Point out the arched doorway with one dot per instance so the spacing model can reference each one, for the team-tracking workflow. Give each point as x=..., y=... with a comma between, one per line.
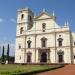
x=43, y=57
x=60, y=56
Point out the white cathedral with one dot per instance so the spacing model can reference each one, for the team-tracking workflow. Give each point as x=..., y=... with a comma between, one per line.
x=39, y=39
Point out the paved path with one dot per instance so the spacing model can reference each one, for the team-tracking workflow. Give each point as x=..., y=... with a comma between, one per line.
x=67, y=70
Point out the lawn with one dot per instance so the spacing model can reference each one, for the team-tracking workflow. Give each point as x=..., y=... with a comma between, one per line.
x=12, y=69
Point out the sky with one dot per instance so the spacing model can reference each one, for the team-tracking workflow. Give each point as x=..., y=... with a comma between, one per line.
x=64, y=11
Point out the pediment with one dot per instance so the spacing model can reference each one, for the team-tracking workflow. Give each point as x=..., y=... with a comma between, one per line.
x=43, y=16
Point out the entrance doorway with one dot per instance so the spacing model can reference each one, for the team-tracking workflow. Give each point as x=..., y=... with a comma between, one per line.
x=60, y=58
x=43, y=57
x=29, y=57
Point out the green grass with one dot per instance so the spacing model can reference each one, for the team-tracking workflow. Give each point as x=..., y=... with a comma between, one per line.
x=10, y=69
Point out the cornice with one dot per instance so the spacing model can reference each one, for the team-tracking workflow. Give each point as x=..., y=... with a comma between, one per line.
x=44, y=33
x=38, y=48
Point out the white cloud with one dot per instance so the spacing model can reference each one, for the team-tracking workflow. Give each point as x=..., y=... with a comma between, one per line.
x=12, y=20
x=1, y=20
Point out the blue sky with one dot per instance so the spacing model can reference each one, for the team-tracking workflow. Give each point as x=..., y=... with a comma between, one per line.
x=64, y=11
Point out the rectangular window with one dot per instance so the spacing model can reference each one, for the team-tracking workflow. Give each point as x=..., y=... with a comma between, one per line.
x=20, y=57
x=74, y=56
x=74, y=43
x=43, y=27
x=21, y=30
x=43, y=43
x=19, y=46
x=29, y=45
x=60, y=40
x=60, y=43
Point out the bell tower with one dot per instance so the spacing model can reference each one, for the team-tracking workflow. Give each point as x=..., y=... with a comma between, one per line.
x=24, y=23
x=24, y=19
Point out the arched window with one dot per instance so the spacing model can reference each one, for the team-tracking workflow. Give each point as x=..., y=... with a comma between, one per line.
x=29, y=43
x=43, y=42
x=22, y=16
x=60, y=42
x=43, y=27
x=21, y=30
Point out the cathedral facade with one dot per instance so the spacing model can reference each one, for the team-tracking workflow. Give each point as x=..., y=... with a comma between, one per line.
x=39, y=39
